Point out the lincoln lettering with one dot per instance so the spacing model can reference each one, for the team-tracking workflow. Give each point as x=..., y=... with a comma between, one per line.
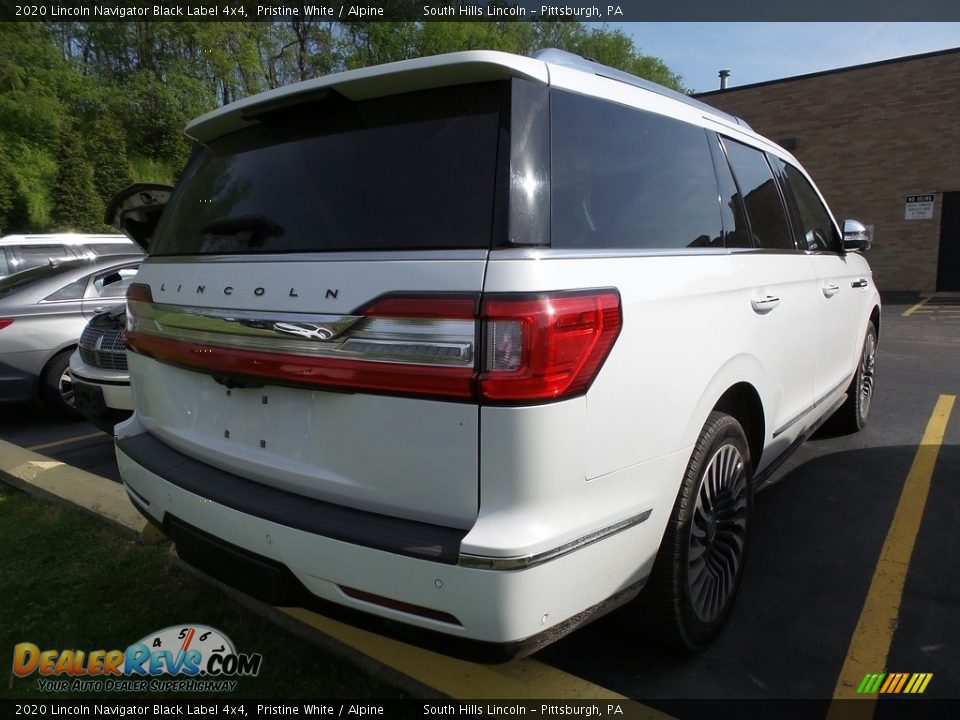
x=331, y=293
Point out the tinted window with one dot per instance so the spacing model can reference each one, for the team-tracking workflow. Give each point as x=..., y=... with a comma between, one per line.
x=818, y=229
x=73, y=291
x=113, y=248
x=21, y=280
x=761, y=197
x=414, y=171
x=736, y=231
x=5, y=268
x=624, y=178
x=31, y=256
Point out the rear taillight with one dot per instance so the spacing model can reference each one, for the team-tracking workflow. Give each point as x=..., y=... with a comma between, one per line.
x=5, y=322
x=548, y=346
x=537, y=348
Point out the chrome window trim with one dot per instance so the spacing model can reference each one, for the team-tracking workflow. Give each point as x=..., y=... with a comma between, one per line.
x=302, y=257
x=543, y=253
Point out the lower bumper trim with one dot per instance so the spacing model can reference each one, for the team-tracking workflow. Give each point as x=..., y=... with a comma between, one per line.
x=522, y=562
x=359, y=527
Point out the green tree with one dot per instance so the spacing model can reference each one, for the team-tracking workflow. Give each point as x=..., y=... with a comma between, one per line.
x=14, y=211
x=76, y=203
x=7, y=191
x=107, y=153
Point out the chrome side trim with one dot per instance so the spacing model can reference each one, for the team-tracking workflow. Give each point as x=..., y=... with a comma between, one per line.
x=302, y=257
x=522, y=562
x=763, y=478
x=806, y=411
x=545, y=253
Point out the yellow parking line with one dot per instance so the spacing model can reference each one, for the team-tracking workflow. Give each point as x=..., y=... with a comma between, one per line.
x=910, y=311
x=870, y=644
x=525, y=679
x=66, y=441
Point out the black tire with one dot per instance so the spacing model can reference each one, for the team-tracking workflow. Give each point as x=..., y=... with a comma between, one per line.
x=697, y=572
x=56, y=390
x=852, y=416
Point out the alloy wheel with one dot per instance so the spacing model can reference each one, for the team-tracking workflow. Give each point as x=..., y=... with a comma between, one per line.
x=717, y=534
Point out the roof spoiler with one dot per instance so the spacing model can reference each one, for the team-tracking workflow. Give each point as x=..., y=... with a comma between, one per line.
x=577, y=62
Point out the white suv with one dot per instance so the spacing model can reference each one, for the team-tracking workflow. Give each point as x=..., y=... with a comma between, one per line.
x=485, y=344
x=22, y=252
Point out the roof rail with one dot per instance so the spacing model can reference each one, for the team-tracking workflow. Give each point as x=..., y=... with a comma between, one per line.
x=577, y=62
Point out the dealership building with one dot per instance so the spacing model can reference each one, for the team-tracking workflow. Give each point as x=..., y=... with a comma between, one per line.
x=882, y=142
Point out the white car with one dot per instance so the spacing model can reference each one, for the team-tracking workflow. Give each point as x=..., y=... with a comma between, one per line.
x=486, y=345
x=22, y=252
x=98, y=368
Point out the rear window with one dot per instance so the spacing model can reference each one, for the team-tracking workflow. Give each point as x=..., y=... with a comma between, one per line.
x=412, y=171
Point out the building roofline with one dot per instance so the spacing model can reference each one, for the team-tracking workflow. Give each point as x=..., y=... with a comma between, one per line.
x=821, y=73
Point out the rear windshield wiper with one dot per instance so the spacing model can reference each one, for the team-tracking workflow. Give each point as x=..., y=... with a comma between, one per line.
x=260, y=226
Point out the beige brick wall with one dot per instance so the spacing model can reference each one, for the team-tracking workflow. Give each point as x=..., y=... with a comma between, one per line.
x=870, y=136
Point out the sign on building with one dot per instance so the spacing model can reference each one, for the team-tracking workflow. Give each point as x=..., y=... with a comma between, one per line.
x=918, y=207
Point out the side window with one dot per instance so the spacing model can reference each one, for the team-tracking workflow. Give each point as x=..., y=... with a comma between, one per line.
x=736, y=231
x=5, y=268
x=113, y=283
x=818, y=229
x=31, y=256
x=761, y=197
x=119, y=248
x=73, y=291
x=625, y=178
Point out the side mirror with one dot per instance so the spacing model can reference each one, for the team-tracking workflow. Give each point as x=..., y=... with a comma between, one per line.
x=855, y=236
x=136, y=210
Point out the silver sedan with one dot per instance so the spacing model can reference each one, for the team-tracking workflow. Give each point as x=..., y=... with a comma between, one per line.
x=43, y=312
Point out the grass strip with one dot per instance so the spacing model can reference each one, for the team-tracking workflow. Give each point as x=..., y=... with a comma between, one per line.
x=68, y=581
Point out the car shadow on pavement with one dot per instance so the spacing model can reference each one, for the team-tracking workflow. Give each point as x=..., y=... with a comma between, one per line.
x=817, y=535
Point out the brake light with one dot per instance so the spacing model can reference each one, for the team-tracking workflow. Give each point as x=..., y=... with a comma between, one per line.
x=139, y=297
x=537, y=348
x=139, y=292
x=5, y=322
x=546, y=347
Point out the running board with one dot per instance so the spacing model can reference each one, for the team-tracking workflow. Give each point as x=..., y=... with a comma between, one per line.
x=763, y=478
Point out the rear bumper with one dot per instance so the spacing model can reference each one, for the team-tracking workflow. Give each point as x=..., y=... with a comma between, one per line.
x=405, y=571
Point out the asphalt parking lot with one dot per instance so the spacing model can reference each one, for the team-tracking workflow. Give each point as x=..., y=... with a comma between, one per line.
x=820, y=605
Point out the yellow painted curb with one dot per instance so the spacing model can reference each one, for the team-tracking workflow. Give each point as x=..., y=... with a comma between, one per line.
x=44, y=477
x=525, y=679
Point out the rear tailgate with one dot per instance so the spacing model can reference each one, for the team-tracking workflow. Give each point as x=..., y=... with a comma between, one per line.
x=218, y=376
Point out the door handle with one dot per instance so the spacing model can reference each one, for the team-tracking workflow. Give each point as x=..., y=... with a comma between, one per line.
x=831, y=290
x=861, y=283
x=765, y=305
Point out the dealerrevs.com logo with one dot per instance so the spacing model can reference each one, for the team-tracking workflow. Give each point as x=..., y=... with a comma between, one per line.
x=180, y=658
